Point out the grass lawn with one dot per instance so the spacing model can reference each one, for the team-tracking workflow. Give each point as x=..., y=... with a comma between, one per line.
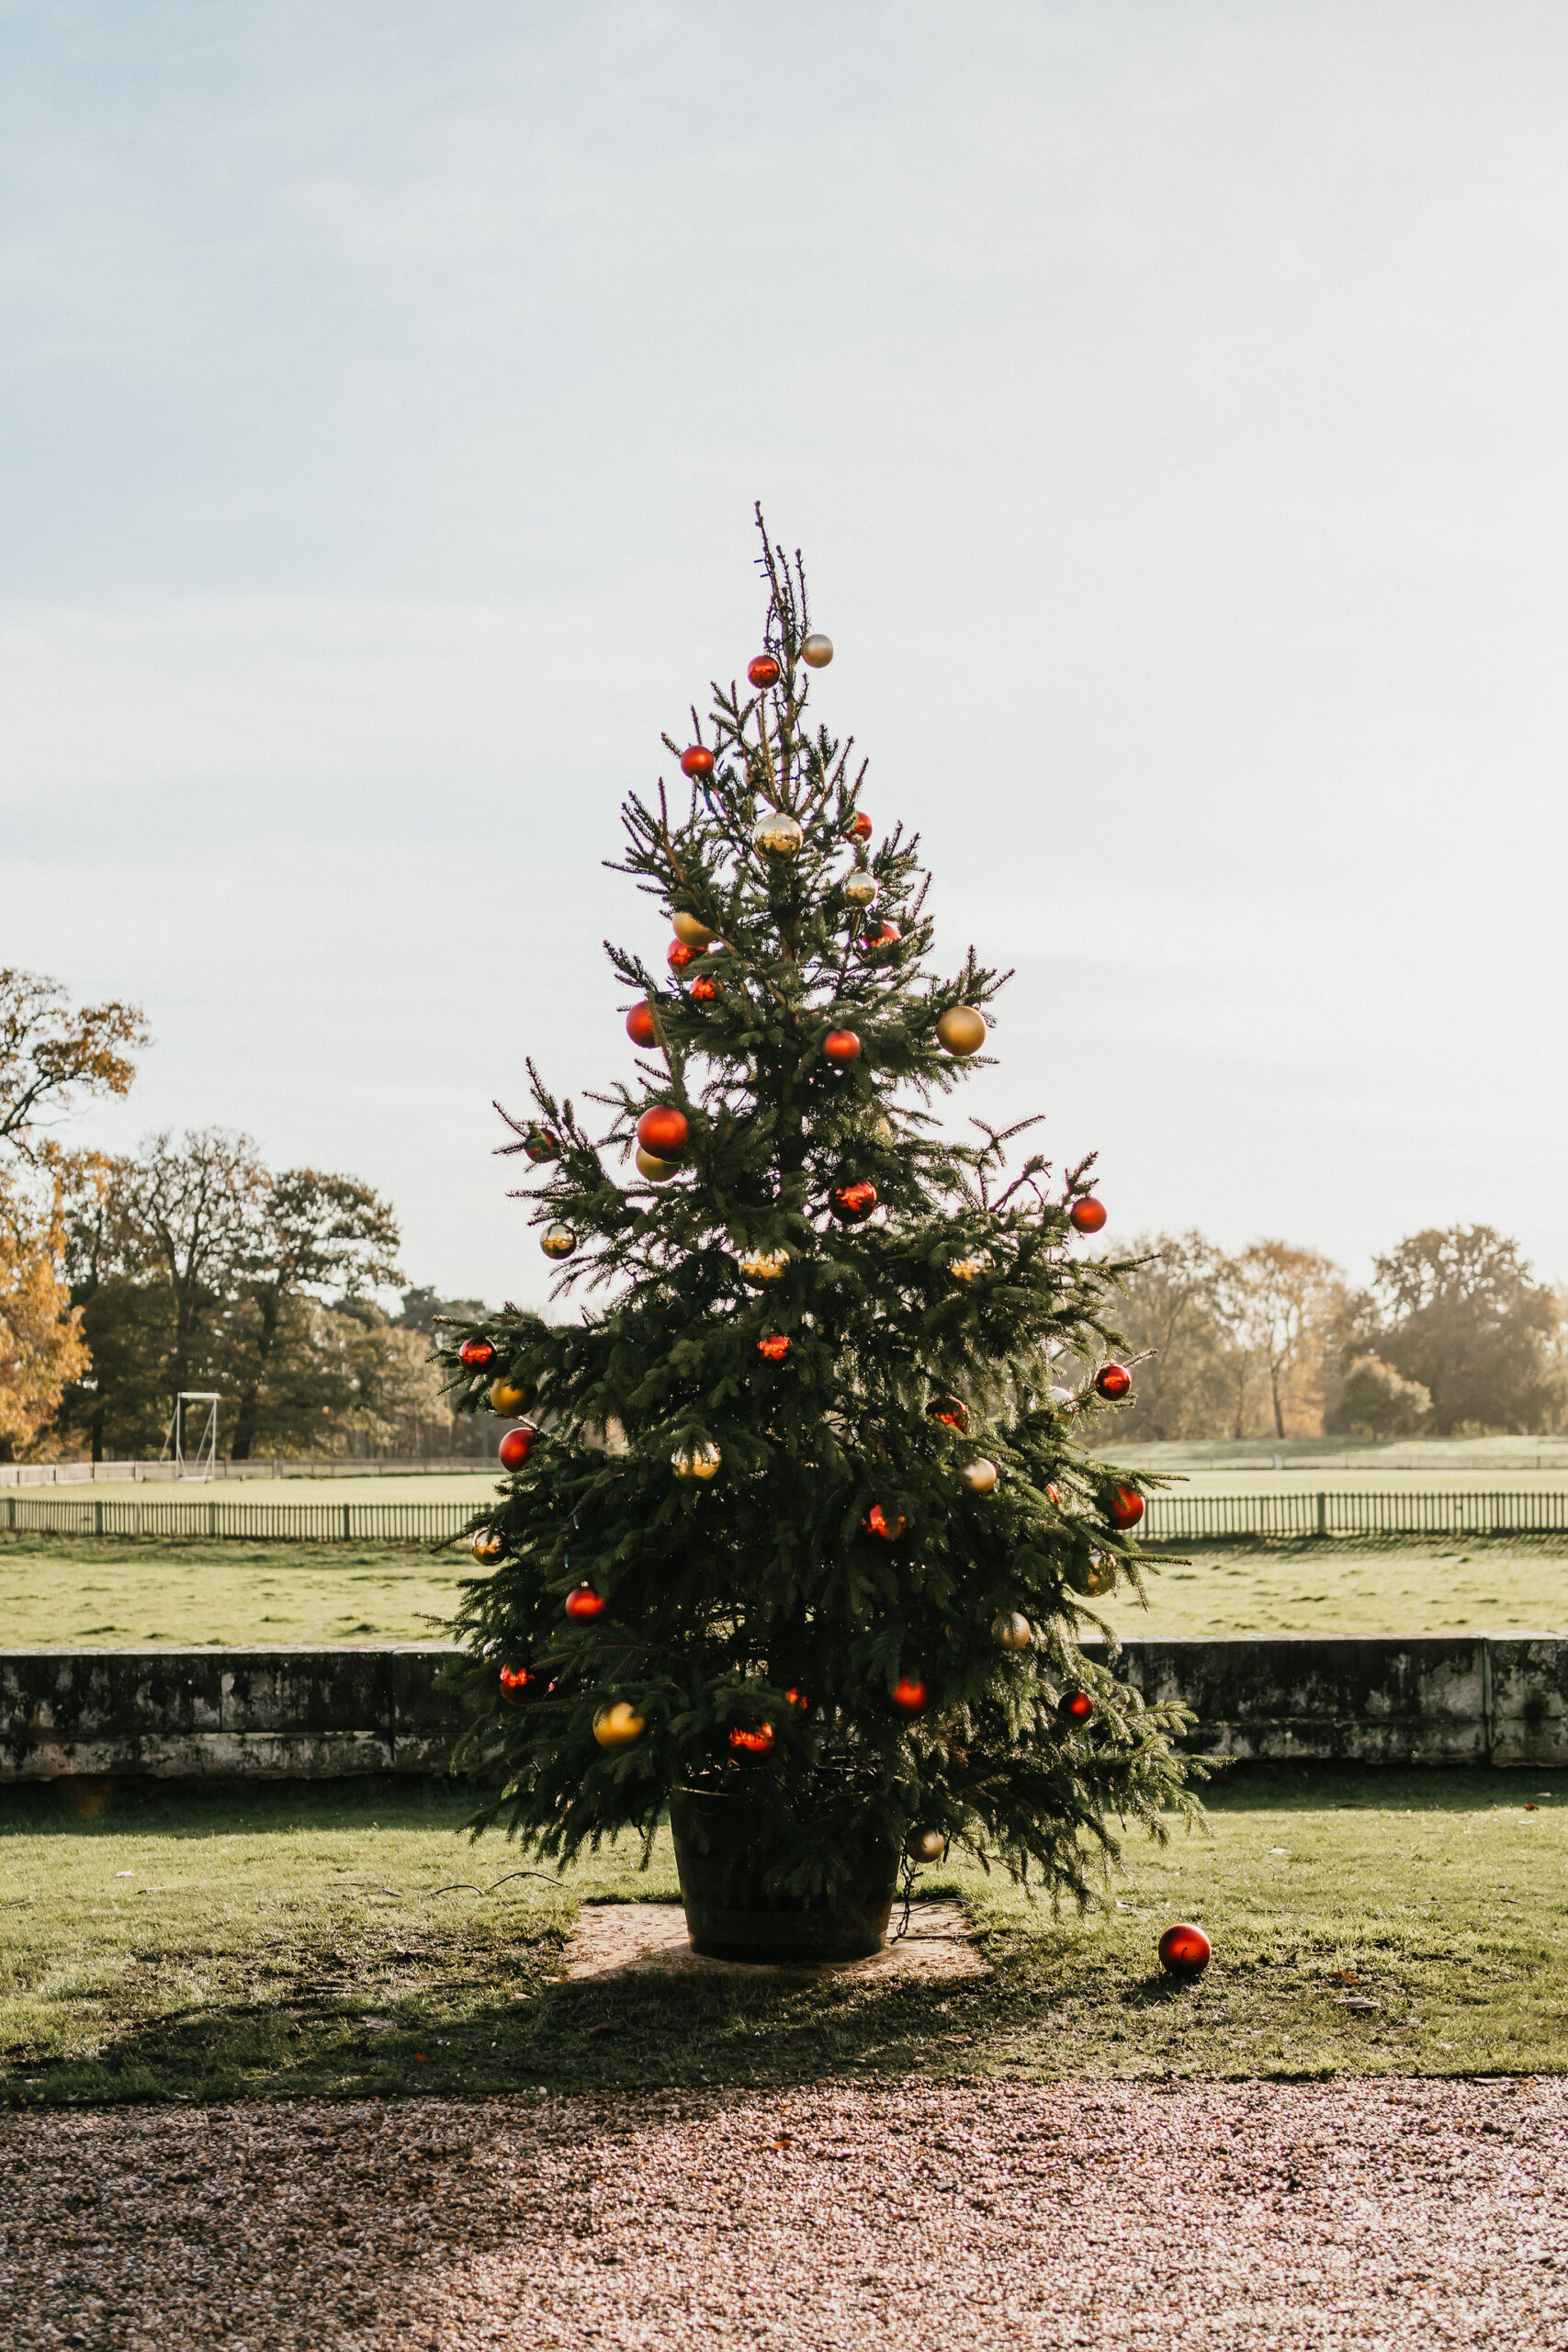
x=1477, y=1585
x=93, y=1592
x=284, y=1941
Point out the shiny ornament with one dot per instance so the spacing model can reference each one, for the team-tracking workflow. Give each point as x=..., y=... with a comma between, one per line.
x=690, y=932
x=618, y=1727
x=1054, y=1496
x=516, y=1446
x=1010, y=1630
x=951, y=1410
x=879, y=936
x=841, y=1045
x=887, y=1531
x=508, y=1396
x=697, y=761
x=704, y=990
x=1076, y=1706
x=1113, y=1380
x=762, y=670
x=862, y=890
x=640, y=1024
x=664, y=1131
x=908, y=1695
x=979, y=1477
x=926, y=1845
x=1088, y=1215
x=541, y=1143
x=519, y=1684
x=775, y=1347
x=695, y=1461
x=583, y=1604
x=1125, y=1508
x=798, y=1699
x=488, y=1545
x=763, y=1265
x=557, y=1241
x=970, y=1269
x=817, y=651
x=678, y=954
x=657, y=1171
x=476, y=1355
x=1093, y=1575
x=853, y=1203
x=859, y=827
x=961, y=1031
x=777, y=835
x=751, y=1739
x=1062, y=1400
x=1184, y=1950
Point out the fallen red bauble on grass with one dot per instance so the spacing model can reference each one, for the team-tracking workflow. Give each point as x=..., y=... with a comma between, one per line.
x=1185, y=1950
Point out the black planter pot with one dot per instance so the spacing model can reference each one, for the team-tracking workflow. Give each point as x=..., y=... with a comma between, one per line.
x=721, y=1853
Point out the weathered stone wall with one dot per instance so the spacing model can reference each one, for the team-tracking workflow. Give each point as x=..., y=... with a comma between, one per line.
x=338, y=1713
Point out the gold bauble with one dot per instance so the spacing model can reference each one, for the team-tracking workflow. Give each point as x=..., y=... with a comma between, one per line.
x=979, y=1477
x=926, y=1845
x=763, y=1265
x=862, y=890
x=695, y=1461
x=510, y=1396
x=817, y=651
x=488, y=1545
x=618, y=1726
x=557, y=1241
x=1092, y=1574
x=1010, y=1630
x=962, y=1031
x=690, y=932
x=967, y=1270
x=657, y=1171
x=777, y=835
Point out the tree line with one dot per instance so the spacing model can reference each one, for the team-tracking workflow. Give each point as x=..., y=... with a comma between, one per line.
x=1452, y=1337
x=189, y=1264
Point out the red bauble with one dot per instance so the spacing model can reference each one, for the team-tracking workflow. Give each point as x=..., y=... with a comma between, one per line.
x=678, y=954
x=1125, y=1508
x=1054, y=1496
x=879, y=935
x=860, y=827
x=516, y=1446
x=704, y=991
x=1184, y=1950
x=798, y=1699
x=477, y=1353
x=853, y=1203
x=696, y=761
x=663, y=1131
x=541, y=1143
x=1075, y=1706
x=951, y=1410
x=1088, y=1215
x=1113, y=1380
x=764, y=671
x=841, y=1045
x=775, y=1347
x=583, y=1603
x=640, y=1024
x=876, y=1523
x=751, y=1739
x=908, y=1695
x=519, y=1684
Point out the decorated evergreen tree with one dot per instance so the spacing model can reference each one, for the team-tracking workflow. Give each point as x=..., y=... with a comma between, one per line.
x=800, y=1536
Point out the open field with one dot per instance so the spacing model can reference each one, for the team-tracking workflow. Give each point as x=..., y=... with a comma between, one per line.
x=282, y=1941
x=86, y=1592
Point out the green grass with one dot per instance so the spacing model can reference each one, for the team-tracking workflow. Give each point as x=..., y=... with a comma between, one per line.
x=1474, y=1584
x=283, y=1942
x=93, y=1592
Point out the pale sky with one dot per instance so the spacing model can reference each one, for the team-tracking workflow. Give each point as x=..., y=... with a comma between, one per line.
x=1171, y=402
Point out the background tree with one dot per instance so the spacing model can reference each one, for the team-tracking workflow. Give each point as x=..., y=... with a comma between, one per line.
x=1459, y=1312
x=1173, y=1313
x=53, y=1052
x=306, y=1232
x=1278, y=1302
x=1373, y=1401
x=41, y=1347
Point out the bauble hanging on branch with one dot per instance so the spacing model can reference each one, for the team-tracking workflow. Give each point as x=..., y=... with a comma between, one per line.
x=1076, y=1706
x=860, y=827
x=618, y=1726
x=841, y=1045
x=887, y=1527
x=952, y=1412
x=516, y=1446
x=557, y=1240
x=583, y=1604
x=817, y=651
x=862, y=890
x=908, y=1696
x=926, y=1845
x=1125, y=1508
x=1113, y=1381
x=1010, y=1630
x=640, y=1024
x=664, y=1131
x=520, y=1685
x=488, y=1545
x=1088, y=1215
x=657, y=1171
x=477, y=1355
x=751, y=1739
x=763, y=1265
x=690, y=932
x=777, y=835
x=508, y=1396
x=979, y=1477
x=700, y=1461
x=962, y=1031
x=762, y=670
x=541, y=1143
x=773, y=1347
x=851, y=1204
x=697, y=762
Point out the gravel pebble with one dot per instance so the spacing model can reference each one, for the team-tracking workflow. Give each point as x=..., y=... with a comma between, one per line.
x=948, y=2216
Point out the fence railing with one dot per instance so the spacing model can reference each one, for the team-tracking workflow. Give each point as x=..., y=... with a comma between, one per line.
x=318, y=1522
x=1194, y=1518
x=136, y=1474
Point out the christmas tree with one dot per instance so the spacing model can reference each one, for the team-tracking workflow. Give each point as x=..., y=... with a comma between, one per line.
x=802, y=1534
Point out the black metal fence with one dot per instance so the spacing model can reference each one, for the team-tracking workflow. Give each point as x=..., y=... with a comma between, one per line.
x=1196, y=1519
x=318, y=1522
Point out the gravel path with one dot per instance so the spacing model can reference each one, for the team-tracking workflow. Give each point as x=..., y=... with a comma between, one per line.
x=942, y=2218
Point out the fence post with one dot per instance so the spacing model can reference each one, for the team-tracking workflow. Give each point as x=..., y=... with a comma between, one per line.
x=1323, y=1514
x=98, y=1517
x=346, y=1508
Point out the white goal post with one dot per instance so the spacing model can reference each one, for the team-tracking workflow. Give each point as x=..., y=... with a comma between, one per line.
x=200, y=1460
